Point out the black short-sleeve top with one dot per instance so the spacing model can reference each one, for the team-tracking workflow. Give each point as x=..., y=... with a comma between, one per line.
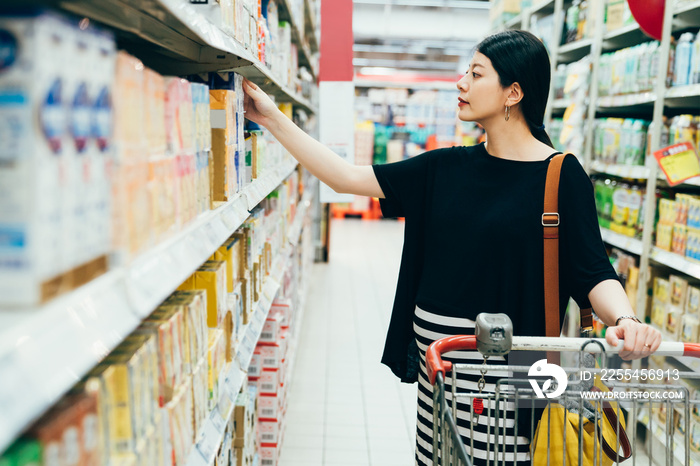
x=473, y=241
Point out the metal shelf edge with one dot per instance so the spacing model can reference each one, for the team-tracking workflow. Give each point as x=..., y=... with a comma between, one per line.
x=94, y=319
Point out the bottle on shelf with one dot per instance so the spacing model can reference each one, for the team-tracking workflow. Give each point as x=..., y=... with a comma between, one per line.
x=684, y=52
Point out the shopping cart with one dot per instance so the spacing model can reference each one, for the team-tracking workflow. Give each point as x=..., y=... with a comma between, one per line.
x=670, y=420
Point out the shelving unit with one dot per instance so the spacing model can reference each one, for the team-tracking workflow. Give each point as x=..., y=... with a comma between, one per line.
x=49, y=348
x=44, y=351
x=211, y=436
x=177, y=38
x=658, y=431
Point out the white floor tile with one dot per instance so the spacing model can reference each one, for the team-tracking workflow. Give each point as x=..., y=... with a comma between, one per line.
x=344, y=406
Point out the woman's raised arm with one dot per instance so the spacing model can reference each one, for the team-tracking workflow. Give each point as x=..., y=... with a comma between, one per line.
x=322, y=162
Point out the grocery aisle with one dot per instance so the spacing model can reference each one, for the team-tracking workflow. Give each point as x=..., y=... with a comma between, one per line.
x=344, y=407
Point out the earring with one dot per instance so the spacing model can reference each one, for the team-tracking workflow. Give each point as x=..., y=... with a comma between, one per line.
x=507, y=113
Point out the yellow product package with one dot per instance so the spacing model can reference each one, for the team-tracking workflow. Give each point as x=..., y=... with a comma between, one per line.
x=195, y=324
x=211, y=277
x=215, y=363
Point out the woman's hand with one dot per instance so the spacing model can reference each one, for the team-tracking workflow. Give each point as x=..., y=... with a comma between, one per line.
x=640, y=339
x=259, y=108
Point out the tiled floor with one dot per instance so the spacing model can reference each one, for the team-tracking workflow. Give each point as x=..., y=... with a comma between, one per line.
x=344, y=407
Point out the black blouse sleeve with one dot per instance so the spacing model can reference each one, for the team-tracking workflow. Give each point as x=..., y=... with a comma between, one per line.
x=404, y=185
x=585, y=260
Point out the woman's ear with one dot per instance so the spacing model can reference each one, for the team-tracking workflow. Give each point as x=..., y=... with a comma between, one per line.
x=514, y=94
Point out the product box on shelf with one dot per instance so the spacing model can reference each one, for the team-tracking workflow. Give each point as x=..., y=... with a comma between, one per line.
x=255, y=366
x=178, y=424
x=224, y=144
x=216, y=360
x=200, y=395
x=210, y=277
x=67, y=434
x=167, y=331
x=269, y=409
x=271, y=330
x=37, y=223
x=269, y=383
x=131, y=209
x=22, y=452
x=194, y=303
x=269, y=455
x=689, y=328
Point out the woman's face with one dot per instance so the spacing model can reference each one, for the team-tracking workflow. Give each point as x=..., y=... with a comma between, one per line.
x=481, y=95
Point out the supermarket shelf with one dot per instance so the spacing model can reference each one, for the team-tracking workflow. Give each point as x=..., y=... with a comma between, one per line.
x=683, y=96
x=621, y=241
x=286, y=14
x=642, y=100
x=561, y=104
x=545, y=6
x=676, y=261
x=45, y=351
x=574, y=51
x=658, y=430
x=178, y=38
x=258, y=190
x=311, y=28
x=514, y=23
x=687, y=14
x=211, y=436
x=690, y=363
x=295, y=229
x=625, y=36
x=257, y=72
x=623, y=171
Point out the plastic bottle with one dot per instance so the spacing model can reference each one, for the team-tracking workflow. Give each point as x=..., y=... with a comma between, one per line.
x=684, y=55
x=582, y=27
x=572, y=22
x=695, y=62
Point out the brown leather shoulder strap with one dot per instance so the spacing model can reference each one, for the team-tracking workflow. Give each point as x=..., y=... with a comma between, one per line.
x=550, y=225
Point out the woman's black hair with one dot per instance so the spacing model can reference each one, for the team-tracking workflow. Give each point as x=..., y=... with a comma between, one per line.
x=519, y=56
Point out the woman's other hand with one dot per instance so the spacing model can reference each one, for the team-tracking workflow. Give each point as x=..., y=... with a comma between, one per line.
x=640, y=340
x=259, y=108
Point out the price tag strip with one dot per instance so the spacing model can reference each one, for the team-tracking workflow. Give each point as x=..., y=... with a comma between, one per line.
x=212, y=434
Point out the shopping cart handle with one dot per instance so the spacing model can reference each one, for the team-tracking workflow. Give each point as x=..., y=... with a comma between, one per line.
x=435, y=364
x=433, y=357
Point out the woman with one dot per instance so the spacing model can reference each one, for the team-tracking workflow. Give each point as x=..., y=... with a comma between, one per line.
x=473, y=234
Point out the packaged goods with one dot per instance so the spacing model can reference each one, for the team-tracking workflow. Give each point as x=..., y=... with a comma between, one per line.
x=211, y=277
x=224, y=144
x=683, y=60
x=35, y=226
x=194, y=303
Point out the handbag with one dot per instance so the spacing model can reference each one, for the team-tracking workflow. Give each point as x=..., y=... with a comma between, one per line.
x=559, y=430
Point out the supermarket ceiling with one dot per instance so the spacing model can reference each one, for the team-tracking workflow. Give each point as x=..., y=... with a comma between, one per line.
x=425, y=37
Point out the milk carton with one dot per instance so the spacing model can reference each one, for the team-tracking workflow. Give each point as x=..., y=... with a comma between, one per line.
x=78, y=157
x=33, y=130
x=101, y=143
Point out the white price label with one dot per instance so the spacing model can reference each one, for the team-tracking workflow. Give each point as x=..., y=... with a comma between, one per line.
x=211, y=234
x=233, y=380
x=217, y=420
x=209, y=443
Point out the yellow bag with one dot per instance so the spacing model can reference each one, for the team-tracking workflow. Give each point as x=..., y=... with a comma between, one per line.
x=556, y=420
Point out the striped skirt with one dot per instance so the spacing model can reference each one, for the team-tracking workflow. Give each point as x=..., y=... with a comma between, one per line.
x=429, y=327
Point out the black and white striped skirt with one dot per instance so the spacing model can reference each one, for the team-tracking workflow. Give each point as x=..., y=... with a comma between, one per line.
x=429, y=327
